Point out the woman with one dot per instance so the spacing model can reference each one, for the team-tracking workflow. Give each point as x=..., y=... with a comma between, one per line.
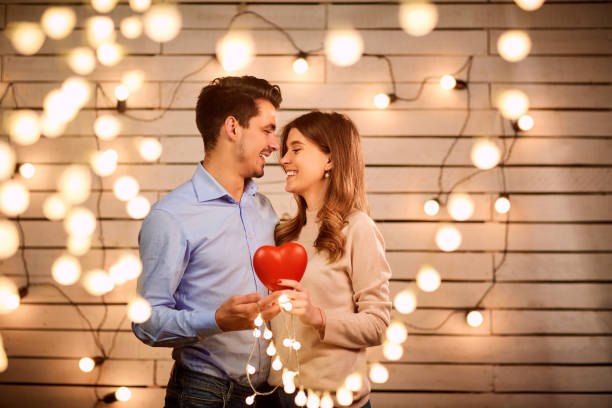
x=342, y=304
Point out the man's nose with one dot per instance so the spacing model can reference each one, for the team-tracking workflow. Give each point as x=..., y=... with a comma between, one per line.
x=273, y=143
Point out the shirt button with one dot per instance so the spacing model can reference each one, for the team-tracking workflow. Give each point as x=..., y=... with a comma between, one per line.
x=250, y=236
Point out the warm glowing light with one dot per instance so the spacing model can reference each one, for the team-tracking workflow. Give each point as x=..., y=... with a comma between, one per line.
x=418, y=18
x=123, y=394
x=296, y=345
x=9, y=239
x=448, y=238
x=122, y=92
x=109, y=53
x=344, y=396
x=354, y=382
x=58, y=22
x=300, y=66
x=448, y=82
x=250, y=369
x=460, y=206
x=150, y=149
x=513, y=103
x=100, y=30
x=287, y=342
x=277, y=364
x=256, y=333
x=267, y=334
x=128, y=266
x=97, y=282
x=378, y=373
x=9, y=295
x=54, y=207
x=77, y=90
x=7, y=160
x=431, y=207
x=82, y=60
x=405, y=301
x=104, y=163
x=343, y=47
x=312, y=400
x=51, y=126
x=131, y=27
x=59, y=106
x=140, y=5
x=126, y=188
x=396, y=333
x=107, y=127
x=139, y=310
x=514, y=45
x=133, y=79
x=23, y=126
x=86, y=364
x=3, y=358
x=287, y=306
x=26, y=37
x=258, y=320
x=250, y=399
x=14, y=198
x=381, y=101
x=138, y=207
x=78, y=246
x=525, y=123
x=474, y=318
x=326, y=400
x=74, y=184
x=271, y=349
x=103, y=6
x=529, y=5
x=428, y=279
x=502, y=204
x=300, y=398
x=162, y=22
x=485, y=154
x=392, y=351
x=235, y=50
x=80, y=222
x=66, y=270
x=27, y=170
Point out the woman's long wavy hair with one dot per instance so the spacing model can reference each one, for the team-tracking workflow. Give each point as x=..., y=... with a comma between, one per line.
x=334, y=134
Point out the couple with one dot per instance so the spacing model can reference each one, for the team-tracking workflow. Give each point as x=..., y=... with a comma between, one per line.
x=198, y=242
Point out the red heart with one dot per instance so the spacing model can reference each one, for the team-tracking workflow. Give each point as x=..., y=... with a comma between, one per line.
x=285, y=262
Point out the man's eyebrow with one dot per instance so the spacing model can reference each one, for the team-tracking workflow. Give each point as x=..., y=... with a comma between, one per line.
x=271, y=126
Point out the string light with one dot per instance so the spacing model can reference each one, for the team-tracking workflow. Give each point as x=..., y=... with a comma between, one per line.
x=14, y=198
x=74, y=184
x=513, y=103
x=162, y=22
x=80, y=222
x=449, y=82
x=271, y=349
x=378, y=373
x=66, y=270
x=54, y=207
x=343, y=46
x=140, y=5
x=405, y=301
x=300, y=398
x=474, y=318
x=97, y=282
x=78, y=246
x=485, y=154
x=104, y=163
x=313, y=400
x=396, y=332
x=448, y=238
x=131, y=27
x=267, y=334
x=418, y=18
x=128, y=267
x=138, y=207
x=109, y=53
x=9, y=236
x=126, y=188
x=392, y=351
x=354, y=382
x=27, y=170
x=326, y=400
x=58, y=22
x=58, y=106
x=82, y=60
x=99, y=30
x=514, y=45
x=529, y=5
x=277, y=364
x=7, y=160
x=287, y=342
x=150, y=149
x=460, y=206
x=27, y=38
x=103, y=6
x=139, y=310
x=300, y=65
x=122, y=92
x=87, y=364
x=122, y=394
x=428, y=279
x=502, y=204
x=107, y=127
x=256, y=333
x=9, y=295
x=382, y=100
x=524, y=123
x=258, y=320
x=296, y=345
x=133, y=79
x=250, y=399
x=235, y=50
x=23, y=126
x=431, y=207
x=77, y=90
x=51, y=126
x=344, y=396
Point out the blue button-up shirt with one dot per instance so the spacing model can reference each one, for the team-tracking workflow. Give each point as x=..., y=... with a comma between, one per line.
x=197, y=246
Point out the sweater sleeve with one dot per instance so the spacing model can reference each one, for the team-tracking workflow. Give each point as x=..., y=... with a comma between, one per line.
x=370, y=274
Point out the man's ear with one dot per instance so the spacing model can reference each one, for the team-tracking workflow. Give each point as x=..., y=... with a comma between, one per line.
x=231, y=128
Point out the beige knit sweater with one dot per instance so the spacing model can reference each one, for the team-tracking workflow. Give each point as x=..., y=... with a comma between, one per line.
x=354, y=296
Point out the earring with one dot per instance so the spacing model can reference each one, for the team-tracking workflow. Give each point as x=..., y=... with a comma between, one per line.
x=326, y=173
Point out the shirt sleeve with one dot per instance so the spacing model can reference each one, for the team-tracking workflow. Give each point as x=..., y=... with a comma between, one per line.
x=164, y=252
x=370, y=274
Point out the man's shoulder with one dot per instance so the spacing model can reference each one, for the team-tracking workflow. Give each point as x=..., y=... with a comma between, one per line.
x=176, y=199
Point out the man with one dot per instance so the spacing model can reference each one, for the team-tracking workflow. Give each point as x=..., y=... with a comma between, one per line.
x=197, y=246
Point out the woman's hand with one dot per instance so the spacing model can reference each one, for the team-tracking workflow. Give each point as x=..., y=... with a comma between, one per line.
x=308, y=313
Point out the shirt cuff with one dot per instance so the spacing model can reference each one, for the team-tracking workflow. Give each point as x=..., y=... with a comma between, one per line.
x=205, y=324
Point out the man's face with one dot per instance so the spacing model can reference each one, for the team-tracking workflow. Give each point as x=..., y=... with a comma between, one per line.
x=258, y=140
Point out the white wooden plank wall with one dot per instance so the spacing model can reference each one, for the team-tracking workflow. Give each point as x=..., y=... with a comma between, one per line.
x=546, y=340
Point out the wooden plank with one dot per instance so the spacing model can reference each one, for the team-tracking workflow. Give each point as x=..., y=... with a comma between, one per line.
x=48, y=234
x=533, y=266
x=569, y=41
x=545, y=295
x=437, y=377
x=568, y=379
x=560, y=96
x=434, y=322
x=559, y=208
x=463, y=266
x=32, y=316
x=163, y=369
x=551, y=322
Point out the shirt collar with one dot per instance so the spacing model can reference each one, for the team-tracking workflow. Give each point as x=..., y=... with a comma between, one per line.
x=208, y=188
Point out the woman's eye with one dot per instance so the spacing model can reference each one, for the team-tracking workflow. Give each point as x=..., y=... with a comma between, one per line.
x=295, y=150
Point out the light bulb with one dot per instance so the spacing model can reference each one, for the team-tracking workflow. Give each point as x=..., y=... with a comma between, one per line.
x=448, y=82
x=150, y=149
x=525, y=123
x=27, y=170
x=138, y=207
x=514, y=45
x=289, y=388
x=80, y=222
x=133, y=79
x=235, y=50
x=97, y=282
x=300, y=66
x=103, y=6
x=51, y=126
x=382, y=100
x=77, y=90
x=288, y=376
x=326, y=401
x=131, y=27
x=460, y=206
x=258, y=320
x=86, y=364
x=126, y=188
x=502, y=204
x=378, y=373
x=396, y=332
x=104, y=163
x=250, y=400
x=250, y=369
x=287, y=342
x=78, y=246
x=23, y=126
x=418, y=18
x=9, y=295
x=9, y=237
x=277, y=364
x=513, y=103
x=296, y=345
x=140, y=5
x=122, y=92
x=7, y=160
x=139, y=310
x=392, y=351
x=529, y=5
x=74, y=184
x=343, y=47
x=267, y=334
x=58, y=106
x=256, y=333
x=354, y=382
x=448, y=238
x=66, y=270
x=109, y=53
x=312, y=400
x=99, y=30
x=283, y=299
x=27, y=38
x=300, y=398
x=485, y=154
x=428, y=279
x=162, y=22
x=344, y=396
x=54, y=207
x=107, y=127
x=271, y=350
x=14, y=198
x=123, y=394
x=82, y=60
x=431, y=207
x=128, y=267
x=287, y=306
x=474, y=318
x=405, y=301
x=58, y=22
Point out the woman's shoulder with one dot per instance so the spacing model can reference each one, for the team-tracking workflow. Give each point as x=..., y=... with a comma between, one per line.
x=359, y=220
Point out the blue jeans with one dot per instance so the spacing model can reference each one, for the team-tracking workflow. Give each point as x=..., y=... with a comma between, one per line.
x=189, y=389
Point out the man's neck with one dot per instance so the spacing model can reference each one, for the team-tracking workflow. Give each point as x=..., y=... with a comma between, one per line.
x=226, y=176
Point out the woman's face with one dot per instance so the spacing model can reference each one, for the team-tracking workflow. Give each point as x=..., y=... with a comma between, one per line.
x=305, y=165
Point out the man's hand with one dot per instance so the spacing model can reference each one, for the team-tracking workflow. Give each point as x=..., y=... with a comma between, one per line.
x=238, y=312
x=269, y=306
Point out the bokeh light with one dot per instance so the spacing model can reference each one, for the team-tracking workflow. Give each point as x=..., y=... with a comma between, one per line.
x=343, y=47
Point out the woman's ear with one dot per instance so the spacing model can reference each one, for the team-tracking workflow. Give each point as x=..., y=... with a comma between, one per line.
x=329, y=165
